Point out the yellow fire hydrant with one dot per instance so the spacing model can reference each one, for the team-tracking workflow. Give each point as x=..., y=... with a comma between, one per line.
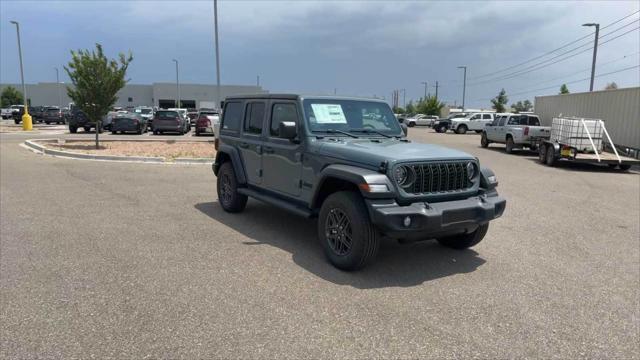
x=27, y=125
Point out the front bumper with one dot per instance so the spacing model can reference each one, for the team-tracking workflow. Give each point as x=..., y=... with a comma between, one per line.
x=430, y=220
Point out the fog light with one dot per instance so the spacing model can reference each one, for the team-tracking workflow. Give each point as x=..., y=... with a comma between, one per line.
x=492, y=179
x=407, y=221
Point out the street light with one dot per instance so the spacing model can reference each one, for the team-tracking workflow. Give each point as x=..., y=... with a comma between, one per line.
x=215, y=20
x=26, y=118
x=177, y=84
x=425, y=88
x=58, y=86
x=595, y=52
x=464, y=84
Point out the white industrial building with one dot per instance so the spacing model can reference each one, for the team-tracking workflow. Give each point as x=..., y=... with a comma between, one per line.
x=156, y=94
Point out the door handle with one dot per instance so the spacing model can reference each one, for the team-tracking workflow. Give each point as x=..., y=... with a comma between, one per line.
x=244, y=145
x=268, y=150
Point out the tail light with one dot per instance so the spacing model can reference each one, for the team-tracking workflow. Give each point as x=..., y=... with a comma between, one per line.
x=526, y=130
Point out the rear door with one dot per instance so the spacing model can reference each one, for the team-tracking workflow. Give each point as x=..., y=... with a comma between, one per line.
x=491, y=130
x=251, y=143
x=282, y=158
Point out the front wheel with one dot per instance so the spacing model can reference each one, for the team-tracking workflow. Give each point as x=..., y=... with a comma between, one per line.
x=484, y=142
x=464, y=241
x=227, y=187
x=348, y=238
x=441, y=129
x=462, y=129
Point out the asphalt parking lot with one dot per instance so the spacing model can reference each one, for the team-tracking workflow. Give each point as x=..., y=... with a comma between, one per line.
x=130, y=260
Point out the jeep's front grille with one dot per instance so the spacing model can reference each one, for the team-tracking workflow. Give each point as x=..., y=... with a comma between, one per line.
x=437, y=177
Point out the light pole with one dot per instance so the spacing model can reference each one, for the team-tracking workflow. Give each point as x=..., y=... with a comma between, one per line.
x=215, y=20
x=404, y=98
x=58, y=86
x=595, y=52
x=464, y=84
x=177, y=84
x=425, y=88
x=26, y=118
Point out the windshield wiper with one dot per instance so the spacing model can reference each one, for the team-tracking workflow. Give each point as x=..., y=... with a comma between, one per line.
x=372, y=131
x=334, y=131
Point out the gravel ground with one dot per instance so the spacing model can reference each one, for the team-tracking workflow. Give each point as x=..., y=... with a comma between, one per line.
x=101, y=259
x=167, y=149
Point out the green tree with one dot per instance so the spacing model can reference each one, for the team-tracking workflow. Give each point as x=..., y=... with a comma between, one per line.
x=97, y=80
x=521, y=106
x=410, y=108
x=398, y=110
x=429, y=106
x=564, y=89
x=500, y=101
x=11, y=96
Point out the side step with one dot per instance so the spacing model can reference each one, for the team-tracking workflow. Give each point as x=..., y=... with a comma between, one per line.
x=272, y=200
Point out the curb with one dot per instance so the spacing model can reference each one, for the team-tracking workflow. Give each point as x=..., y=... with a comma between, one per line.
x=140, y=159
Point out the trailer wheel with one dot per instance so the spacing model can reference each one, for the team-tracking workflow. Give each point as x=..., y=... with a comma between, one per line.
x=550, y=156
x=510, y=145
x=542, y=153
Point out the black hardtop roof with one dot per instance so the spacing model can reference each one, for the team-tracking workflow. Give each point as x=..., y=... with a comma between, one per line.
x=291, y=96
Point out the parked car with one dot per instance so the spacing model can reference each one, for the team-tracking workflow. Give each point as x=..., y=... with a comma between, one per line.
x=78, y=119
x=19, y=112
x=53, y=115
x=183, y=113
x=207, y=121
x=473, y=121
x=442, y=125
x=321, y=157
x=420, y=119
x=516, y=131
x=6, y=113
x=193, y=116
x=129, y=122
x=169, y=121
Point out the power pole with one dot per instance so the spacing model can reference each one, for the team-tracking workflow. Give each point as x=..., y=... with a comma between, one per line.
x=464, y=84
x=425, y=88
x=595, y=52
x=436, y=89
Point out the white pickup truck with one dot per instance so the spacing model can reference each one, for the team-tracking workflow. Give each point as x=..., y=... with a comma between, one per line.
x=516, y=131
x=473, y=121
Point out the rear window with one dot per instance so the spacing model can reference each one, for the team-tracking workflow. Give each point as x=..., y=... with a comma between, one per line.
x=163, y=115
x=53, y=110
x=534, y=121
x=232, y=116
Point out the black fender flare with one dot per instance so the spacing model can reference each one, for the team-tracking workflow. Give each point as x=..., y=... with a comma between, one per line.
x=232, y=153
x=355, y=175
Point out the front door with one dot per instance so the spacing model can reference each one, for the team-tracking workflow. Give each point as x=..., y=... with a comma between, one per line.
x=251, y=143
x=282, y=158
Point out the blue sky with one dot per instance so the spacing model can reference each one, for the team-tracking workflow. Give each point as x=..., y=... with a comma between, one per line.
x=361, y=48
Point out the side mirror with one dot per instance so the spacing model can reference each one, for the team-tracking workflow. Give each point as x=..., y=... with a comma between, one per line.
x=288, y=130
x=405, y=129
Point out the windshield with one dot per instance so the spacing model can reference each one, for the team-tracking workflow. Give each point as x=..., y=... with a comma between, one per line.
x=326, y=115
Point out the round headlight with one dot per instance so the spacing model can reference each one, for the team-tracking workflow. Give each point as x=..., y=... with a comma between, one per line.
x=471, y=170
x=404, y=176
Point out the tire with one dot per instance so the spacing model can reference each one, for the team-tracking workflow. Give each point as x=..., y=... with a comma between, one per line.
x=362, y=249
x=227, y=186
x=73, y=129
x=462, y=129
x=484, y=142
x=155, y=132
x=542, y=153
x=441, y=129
x=478, y=131
x=197, y=133
x=16, y=121
x=87, y=129
x=139, y=131
x=550, y=156
x=624, y=167
x=46, y=122
x=509, y=145
x=113, y=132
x=465, y=241
x=411, y=124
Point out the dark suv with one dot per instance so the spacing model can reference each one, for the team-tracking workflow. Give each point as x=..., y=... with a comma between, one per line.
x=347, y=162
x=77, y=119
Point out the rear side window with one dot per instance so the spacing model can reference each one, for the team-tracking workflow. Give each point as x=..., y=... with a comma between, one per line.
x=253, y=118
x=502, y=120
x=280, y=113
x=486, y=116
x=534, y=121
x=232, y=116
x=514, y=120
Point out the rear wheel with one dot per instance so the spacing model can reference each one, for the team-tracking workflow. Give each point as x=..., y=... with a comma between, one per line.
x=484, y=142
x=16, y=121
x=464, y=241
x=87, y=129
x=73, y=129
x=478, y=131
x=47, y=122
x=462, y=129
x=411, y=124
x=441, y=128
x=349, y=239
x=510, y=145
x=227, y=186
x=542, y=153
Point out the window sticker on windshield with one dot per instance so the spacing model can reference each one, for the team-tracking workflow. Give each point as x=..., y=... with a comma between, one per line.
x=328, y=114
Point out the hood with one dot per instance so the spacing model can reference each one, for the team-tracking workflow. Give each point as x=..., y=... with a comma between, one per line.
x=373, y=151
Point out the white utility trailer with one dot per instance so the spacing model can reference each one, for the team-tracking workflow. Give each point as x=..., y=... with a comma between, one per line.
x=582, y=140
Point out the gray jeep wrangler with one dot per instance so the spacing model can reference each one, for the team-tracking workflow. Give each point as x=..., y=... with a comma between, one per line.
x=347, y=162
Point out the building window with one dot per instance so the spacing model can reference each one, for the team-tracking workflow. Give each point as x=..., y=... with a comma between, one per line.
x=130, y=99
